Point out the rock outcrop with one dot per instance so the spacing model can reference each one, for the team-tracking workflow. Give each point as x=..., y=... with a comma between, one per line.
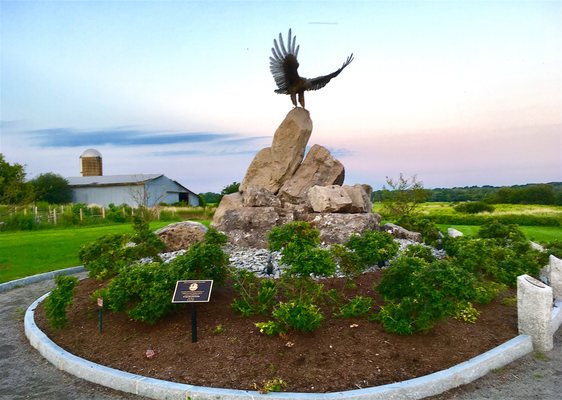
x=273, y=165
x=280, y=187
x=181, y=235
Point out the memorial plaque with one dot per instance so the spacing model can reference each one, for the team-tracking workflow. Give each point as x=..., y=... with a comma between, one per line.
x=193, y=291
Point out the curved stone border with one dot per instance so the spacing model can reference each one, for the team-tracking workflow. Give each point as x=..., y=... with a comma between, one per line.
x=417, y=388
x=4, y=287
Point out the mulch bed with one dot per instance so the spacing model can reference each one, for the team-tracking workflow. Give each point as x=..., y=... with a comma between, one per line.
x=342, y=354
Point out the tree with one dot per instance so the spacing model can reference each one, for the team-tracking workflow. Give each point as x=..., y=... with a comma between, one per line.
x=52, y=188
x=232, y=188
x=403, y=196
x=13, y=188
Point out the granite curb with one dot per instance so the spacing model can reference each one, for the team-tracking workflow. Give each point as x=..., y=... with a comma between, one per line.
x=417, y=388
x=4, y=287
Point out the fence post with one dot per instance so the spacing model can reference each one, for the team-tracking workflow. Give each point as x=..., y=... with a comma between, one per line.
x=103, y=212
x=81, y=214
x=54, y=216
x=534, y=307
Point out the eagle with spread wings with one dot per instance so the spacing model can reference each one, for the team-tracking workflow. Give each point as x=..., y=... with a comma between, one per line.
x=284, y=65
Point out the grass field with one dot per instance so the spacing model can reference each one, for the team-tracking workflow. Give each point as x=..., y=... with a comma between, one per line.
x=32, y=252
x=539, y=234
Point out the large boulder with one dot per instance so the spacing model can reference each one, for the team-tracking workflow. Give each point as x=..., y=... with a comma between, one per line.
x=319, y=168
x=181, y=235
x=272, y=166
x=228, y=202
x=360, y=196
x=338, y=228
x=260, y=197
x=402, y=233
x=329, y=199
x=248, y=226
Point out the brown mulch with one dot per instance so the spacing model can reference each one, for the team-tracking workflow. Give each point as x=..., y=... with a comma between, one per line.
x=342, y=354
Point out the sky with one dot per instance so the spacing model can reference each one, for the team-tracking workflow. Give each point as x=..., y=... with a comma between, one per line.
x=456, y=93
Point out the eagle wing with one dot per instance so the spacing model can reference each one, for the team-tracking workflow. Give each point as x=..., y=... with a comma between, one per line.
x=283, y=65
x=321, y=81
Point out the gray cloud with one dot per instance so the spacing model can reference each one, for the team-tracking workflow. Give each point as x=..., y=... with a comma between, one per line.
x=68, y=137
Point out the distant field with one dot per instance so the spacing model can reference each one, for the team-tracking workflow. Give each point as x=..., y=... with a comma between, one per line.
x=500, y=209
x=539, y=234
x=32, y=252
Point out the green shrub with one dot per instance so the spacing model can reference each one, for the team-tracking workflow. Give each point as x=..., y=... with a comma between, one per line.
x=308, y=261
x=106, y=256
x=495, y=229
x=300, y=316
x=373, y=247
x=419, y=251
x=20, y=222
x=350, y=264
x=204, y=260
x=255, y=295
x=496, y=259
x=428, y=229
x=144, y=291
x=418, y=294
x=486, y=291
x=59, y=300
x=466, y=312
x=359, y=306
x=554, y=248
x=299, y=233
x=474, y=207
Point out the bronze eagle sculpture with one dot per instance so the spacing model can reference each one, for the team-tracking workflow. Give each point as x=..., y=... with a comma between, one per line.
x=284, y=65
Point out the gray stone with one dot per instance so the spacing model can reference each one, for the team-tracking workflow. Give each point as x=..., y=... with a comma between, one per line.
x=259, y=197
x=338, y=228
x=248, y=226
x=452, y=232
x=228, y=202
x=181, y=235
x=534, y=307
x=360, y=196
x=555, y=276
x=272, y=166
x=319, y=168
x=402, y=233
x=329, y=199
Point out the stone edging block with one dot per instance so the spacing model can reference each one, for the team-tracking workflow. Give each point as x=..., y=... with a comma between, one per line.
x=417, y=388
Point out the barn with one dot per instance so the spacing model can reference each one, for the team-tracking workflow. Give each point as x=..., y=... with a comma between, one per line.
x=148, y=190
x=135, y=190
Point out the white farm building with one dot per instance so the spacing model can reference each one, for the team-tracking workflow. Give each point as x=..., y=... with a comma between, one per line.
x=134, y=190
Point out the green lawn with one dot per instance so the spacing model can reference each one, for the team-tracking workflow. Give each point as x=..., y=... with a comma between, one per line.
x=33, y=252
x=539, y=234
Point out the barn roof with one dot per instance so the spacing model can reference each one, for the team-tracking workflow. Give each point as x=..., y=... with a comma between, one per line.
x=118, y=180
x=109, y=180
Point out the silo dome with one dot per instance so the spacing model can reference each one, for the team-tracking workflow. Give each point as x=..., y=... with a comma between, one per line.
x=91, y=153
x=91, y=163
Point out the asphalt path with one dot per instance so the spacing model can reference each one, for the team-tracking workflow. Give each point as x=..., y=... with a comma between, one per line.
x=25, y=374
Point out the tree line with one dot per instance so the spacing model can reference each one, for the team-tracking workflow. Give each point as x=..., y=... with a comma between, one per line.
x=540, y=193
x=15, y=189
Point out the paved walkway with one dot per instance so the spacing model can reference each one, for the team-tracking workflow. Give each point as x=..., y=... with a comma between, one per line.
x=25, y=374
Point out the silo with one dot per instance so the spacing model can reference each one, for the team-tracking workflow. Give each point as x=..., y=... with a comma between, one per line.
x=90, y=163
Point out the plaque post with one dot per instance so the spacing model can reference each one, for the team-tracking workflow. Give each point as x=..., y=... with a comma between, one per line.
x=193, y=322
x=193, y=291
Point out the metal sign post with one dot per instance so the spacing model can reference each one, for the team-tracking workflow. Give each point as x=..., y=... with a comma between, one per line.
x=193, y=291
